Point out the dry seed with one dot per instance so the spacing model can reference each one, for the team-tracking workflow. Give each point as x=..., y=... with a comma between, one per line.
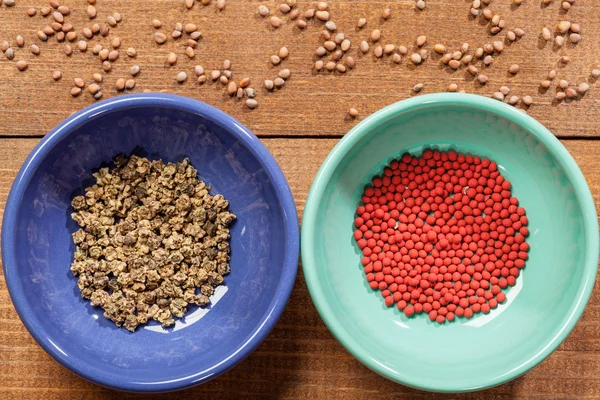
x=189, y=28
x=60, y=36
x=87, y=32
x=546, y=34
x=93, y=88
x=56, y=26
x=330, y=45
x=275, y=60
x=559, y=41
x=466, y=60
x=583, y=88
x=160, y=37
x=420, y=4
x=596, y=73
x=4, y=45
x=134, y=70
x=563, y=84
x=321, y=51
x=375, y=35
x=79, y=82
x=75, y=91
x=54, y=3
x=387, y=13
x=350, y=63
x=20, y=41
x=505, y=90
x=488, y=60
x=498, y=46
x=340, y=68
x=330, y=25
x=439, y=48
x=284, y=74
x=251, y=103
x=575, y=37
x=519, y=32
x=345, y=46
x=322, y=6
x=560, y=96
x=56, y=75
x=326, y=35
x=397, y=58
x=45, y=11
x=308, y=14
x=189, y=4
x=278, y=82
x=115, y=43
x=196, y=35
x=454, y=64
x=156, y=23
x=113, y=55
x=487, y=13
x=513, y=100
x=513, y=69
x=176, y=34
x=364, y=46
x=22, y=65
x=231, y=88
x=35, y=50
x=9, y=53
x=103, y=54
x=283, y=52
x=97, y=77
x=111, y=21
x=105, y=30
x=172, y=58
x=474, y=12
x=482, y=79
x=42, y=36
x=275, y=22
x=563, y=26
x=575, y=28
x=330, y=66
x=189, y=51
x=181, y=77
x=98, y=96
x=82, y=45
x=353, y=112
x=58, y=17
x=245, y=82
x=402, y=50
x=361, y=23
x=498, y=96
x=565, y=5
x=421, y=40
x=418, y=87
x=336, y=55
x=545, y=84
x=129, y=84
x=294, y=14
x=527, y=100
x=269, y=84
x=552, y=74
x=478, y=53
x=473, y=70
x=378, y=51
x=565, y=59
x=263, y=11
x=31, y=12
x=424, y=54
x=201, y=79
x=95, y=28
x=389, y=48
x=318, y=65
x=453, y=87
x=68, y=50
x=301, y=24
x=215, y=74
x=571, y=93
x=511, y=36
x=131, y=52
x=284, y=8
x=415, y=58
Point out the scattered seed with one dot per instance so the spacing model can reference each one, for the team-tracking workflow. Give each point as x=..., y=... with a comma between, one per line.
x=278, y=82
x=79, y=82
x=415, y=58
x=482, y=79
x=551, y=74
x=565, y=5
x=505, y=90
x=68, y=50
x=181, y=77
x=263, y=11
x=196, y=35
x=453, y=87
x=42, y=36
x=563, y=26
x=498, y=46
x=129, y=84
x=421, y=40
x=82, y=45
x=527, y=100
x=397, y=58
x=301, y=24
x=402, y=50
x=91, y=12
x=583, y=88
x=105, y=30
x=60, y=36
x=513, y=69
x=322, y=6
x=336, y=55
x=56, y=75
x=330, y=66
x=284, y=73
x=326, y=35
x=215, y=74
x=439, y=48
x=563, y=84
x=330, y=45
x=106, y=66
x=511, y=36
x=113, y=55
x=478, y=53
x=9, y=53
x=575, y=28
x=364, y=46
x=473, y=70
x=22, y=65
x=232, y=88
x=378, y=51
x=172, y=58
x=519, y=32
x=58, y=17
x=596, y=73
x=575, y=37
x=97, y=77
x=31, y=12
x=498, y=96
x=375, y=35
x=571, y=93
x=420, y=4
x=488, y=60
x=545, y=84
x=564, y=59
x=418, y=87
x=361, y=23
x=340, y=68
x=275, y=60
x=319, y=65
x=103, y=54
x=269, y=84
x=275, y=22
x=251, y=103
x=546, y=34
x=560, y=96
x=189, y=51
x=111, y=21
x=321, y=51
x=454, y=64
x=45, y=11
x=93, y=88
x=160, y=37
x=353, y=112
x=283, y=52
x=35, y=49
x=75, y=91
x=513, y=100
x=350, y=63
x=308, y=14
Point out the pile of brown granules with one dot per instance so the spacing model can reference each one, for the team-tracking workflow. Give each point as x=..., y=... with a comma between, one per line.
x=152, y=240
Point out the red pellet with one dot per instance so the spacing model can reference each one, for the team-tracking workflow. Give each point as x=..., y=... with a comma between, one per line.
x=441, y=234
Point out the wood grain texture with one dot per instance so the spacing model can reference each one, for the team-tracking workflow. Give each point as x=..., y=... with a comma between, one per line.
x=31, y=103
x=300, y=358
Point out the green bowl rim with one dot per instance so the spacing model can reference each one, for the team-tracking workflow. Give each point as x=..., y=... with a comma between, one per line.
x=582, y=192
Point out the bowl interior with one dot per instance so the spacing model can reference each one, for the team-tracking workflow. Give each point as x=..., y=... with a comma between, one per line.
x=466, y=354
x=197, y=346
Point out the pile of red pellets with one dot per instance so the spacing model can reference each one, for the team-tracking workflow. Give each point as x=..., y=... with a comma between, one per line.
x=441, y=234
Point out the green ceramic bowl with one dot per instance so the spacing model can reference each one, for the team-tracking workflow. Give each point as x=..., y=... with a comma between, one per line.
x=550, y=294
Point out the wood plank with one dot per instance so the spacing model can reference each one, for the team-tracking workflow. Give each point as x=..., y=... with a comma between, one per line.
x=31, y=103
x=300, y=359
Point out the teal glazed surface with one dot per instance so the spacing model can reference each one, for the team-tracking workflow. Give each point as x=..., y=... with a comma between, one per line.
x=550, y=294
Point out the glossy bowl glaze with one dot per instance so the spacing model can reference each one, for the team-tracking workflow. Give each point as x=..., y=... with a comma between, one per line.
x=37, y=249
x=551, y=292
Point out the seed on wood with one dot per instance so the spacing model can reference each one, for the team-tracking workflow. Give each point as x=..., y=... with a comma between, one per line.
x=20, y=41
x=251, y=103
x=105, y=30
x=473, y=70
x=275, y=22
x=545, y=84
x=340, y=68
x=482, y=79
x=375, y=35
x=91, y=12
x=58, y=17
x=439, y=48
x=22, y=65
x=454, y=64
x=563, y=26
x=513, y=100
x=418, y=87
x=172, y=58
x=181, y=77
x=487, y=13
x=453, y=87
x=97, y=77
x=565, y=59
x=546, y=34
x=294, y=14
x=466, y=60
x=397, y=58
x=275, y=60
x=498, y=96
x=511, y=36
x=176, y=34
x=189, y=51
x=160, y=37
x=421, y=40
x=322, y=6
x=575, y=37
x=301, y=24
x=231, y=88
x=68, y=50
x=215, y=74
x=189, y=28
x=345, y=46
x=583, y=88
x=336, y=55
x=75, y=91
x=115, y=43
x=402, y=50
x=103, y=54
x=474, y=11
x=498, y=46
x=378, y=51
x=113, y=55
x=156, y=23
x=527, y=100
x=54, y=3
x=93, y=88
x=488, y=60
x=45, y=11
x=278, y=82
x=283, y=52
x=389, y=48
x=321, y=51
x=513, y=69
x=131, y=52
x=350, y=63
x=596, y=73
x=488, y=48
x=478, y=53
x=129, y=84
x=559, y=41
x=326, y=35
x=245, y=82
x=263, y=11
x=56, y=75
x=415, y=58
x=330, y=25
x=361, y=23
x=284, y=8
x=330, y=66
x=319, y=65
x=420, y=4
x=519, y=32
x=560, y=96
x=56, y=26
x=269, y=84
x=308, y=14
x=9, y=53
x=35, y=50
x=551, y=74
x=565, y=5
x=31, y=12
x=117, y=17
x=571, y=93
x=201, y=79
x=60, y=36
x=575, y=28
x=330, y=45
x=364, y=46
x=189, y=4
x=284, y=73
x=120, y=84
x=42, y=36
x=95, y=28
x=87, y=32
x=79, y=82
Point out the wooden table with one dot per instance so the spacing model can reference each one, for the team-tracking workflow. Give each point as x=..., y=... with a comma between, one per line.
x=299, y=124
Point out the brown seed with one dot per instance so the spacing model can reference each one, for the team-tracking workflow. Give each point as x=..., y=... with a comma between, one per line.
x=120, y=84
x=389, y=48
x=575, y=37
x=79, y=82
x=565, y=59
x=269, y=84
x=31, y=12
x=361, y=23
x=117, y=17
x=353, y=112
x=350, y=63
x=263, y=11
x=111, y=21
x=75, y=91
x=545, y=84
x=457, y=55
x=466, y=60
x=301, y=24
x=421, y=40
x=45, y=11
x=58, y=17
x=498, y=46
x=565, y=5
x=131, y=52
x=60, y=36
x=453, y=87
x=330, y=66
x=54, y=3
x=402, y=50
x=156, y=23
x=64, y=10
x=275, y=60
x=192, y=43
x=583, y=88
x=9, y=53
x=511, y=36
x=115, y=43
x=189, y=51
x=326, y=35
x=559, y=41
x=284, y=8
x=275, y=22
x=308, y=14
x=196, y=35
x=35, y=50
x=397, y=58
x=386, y=14
x=563, y=26
x=181, y=77
x=284, y=73
x=97, y=77
x=319, y=65
x=105, y=30
x=560, y=96
x=56, y=26
x=22, y=65
x=551, y=74
x=93, y=88
x=378, y=51
x=513, y=69
x=513, y=100
x=113, y=55
x=245, y=82
x=189, y=4
x=519, y=32
x=176, y=34
x=103, y=54
x=129, y=84
x=575, y=28
x=418, y=87
x=330, y=45
x=87, y=32
x=201, y=79
x=172, y=58
x=596, y=73
x=56, y=75
x=505, y=90
x=20, y=41
x=231, y=88
x=251, y=104
x=415, y=58
x=439, y=48
x=91, y=12
x=95, y=28
x=563, y=84
x=189, y=28
x=454, y=64
x=134, y=70
x=546, y=34
x=488, y=60
x=375, y=35
x=336, y=55
x=106, y=66
x=278, y=82
x=420, y=4
x=340, y=68
x=571, y=93
x=220, y=5
x=215, y=74
x=322, y=15
x=498, y=96
x=283, y=52
x=481, y=78
x=473, y=70
x=68, y=50
x=527, y=100
x=42, y=36
x=364, y=46
x=82, y=45
x=160, y=37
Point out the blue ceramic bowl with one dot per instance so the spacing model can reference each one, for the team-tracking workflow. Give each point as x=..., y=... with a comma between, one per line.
x=551, y=292
x=37, y=249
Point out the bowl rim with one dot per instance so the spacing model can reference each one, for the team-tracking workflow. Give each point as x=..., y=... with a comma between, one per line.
x=363, y=129
x=254, y=146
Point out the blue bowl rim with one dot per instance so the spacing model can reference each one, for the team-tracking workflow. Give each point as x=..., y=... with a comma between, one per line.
x=256, y=148
x=363, y=129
